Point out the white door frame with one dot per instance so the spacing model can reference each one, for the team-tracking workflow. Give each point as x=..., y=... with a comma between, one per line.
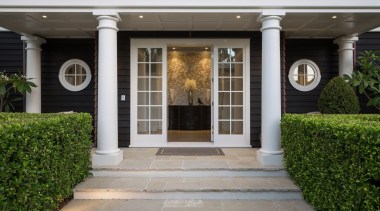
x=138, y=140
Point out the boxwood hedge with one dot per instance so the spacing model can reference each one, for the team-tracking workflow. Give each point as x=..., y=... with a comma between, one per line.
x=43, y=156
x=334, y=159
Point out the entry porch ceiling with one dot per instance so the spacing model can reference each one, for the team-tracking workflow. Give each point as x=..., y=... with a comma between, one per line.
x=296, y=24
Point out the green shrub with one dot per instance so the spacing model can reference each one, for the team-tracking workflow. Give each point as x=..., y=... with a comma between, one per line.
x=337, y=97
x=334, y=159
x=43, y=156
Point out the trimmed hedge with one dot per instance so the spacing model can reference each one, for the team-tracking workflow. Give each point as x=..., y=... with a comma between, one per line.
x=334, y=159
x=43, y=156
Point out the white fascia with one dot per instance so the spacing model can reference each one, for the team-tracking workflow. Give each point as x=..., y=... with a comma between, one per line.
x=274, y=4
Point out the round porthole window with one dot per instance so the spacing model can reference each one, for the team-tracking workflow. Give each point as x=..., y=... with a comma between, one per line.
x=75, y=75
x=304, y=75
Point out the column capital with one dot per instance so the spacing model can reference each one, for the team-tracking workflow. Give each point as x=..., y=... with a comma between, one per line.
x=107, y=21
x=346, y=39
x=33, y=42
x=33, y=39
x=270, y=22
x=270, y=13
x=107, y=13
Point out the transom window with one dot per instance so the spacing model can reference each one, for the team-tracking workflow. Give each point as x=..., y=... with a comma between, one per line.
x=75, y=75
x=304, y=75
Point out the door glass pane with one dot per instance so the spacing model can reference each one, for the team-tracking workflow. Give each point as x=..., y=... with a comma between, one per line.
x=224, y=127
x=143, y=54
x=224, y=70
x=155, y=84
x=237, y=127
x=224, y=98
x=224, y=112
x=143, y=69
x=143, y=112
x=143, y=98
x=156, y=112
x=237, y=84
x=156, y=98
x=223, y=55
x=156, y=69
x=156, y=55
x=237, y=98
x=143, y=84
x=155, y=127
x=143, y=127
x=236, y=54
x=237, y=70
x=237, y=113
x=224, y=84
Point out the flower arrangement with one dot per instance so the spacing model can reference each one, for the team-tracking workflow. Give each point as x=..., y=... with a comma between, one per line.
x=190, y=85
x=15, y=84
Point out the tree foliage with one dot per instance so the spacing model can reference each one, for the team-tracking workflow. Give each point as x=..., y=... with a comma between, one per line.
x=366, y=79
x=13, y=84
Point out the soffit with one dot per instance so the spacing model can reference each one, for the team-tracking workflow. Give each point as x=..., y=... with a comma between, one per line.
x=296, y=24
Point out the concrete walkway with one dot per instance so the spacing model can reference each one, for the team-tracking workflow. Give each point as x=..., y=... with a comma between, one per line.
x=144, y=181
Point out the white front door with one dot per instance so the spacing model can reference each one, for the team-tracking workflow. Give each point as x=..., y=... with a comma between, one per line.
x=230, y=92
x=148, y=93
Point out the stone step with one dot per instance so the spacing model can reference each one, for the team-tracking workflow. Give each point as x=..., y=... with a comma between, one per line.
x=196, y=205
x=189, y=173
x=269, y=188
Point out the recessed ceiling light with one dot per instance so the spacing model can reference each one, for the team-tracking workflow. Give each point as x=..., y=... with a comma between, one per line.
x=206, y=48
x=334, y=17
x=44, y=16
x=140, y=16
x=238, y=16
x=173, y=48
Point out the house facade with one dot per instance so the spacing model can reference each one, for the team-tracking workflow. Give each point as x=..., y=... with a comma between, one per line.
x=151, y=72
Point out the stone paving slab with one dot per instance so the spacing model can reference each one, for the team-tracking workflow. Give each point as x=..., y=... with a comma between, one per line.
x=188, y=205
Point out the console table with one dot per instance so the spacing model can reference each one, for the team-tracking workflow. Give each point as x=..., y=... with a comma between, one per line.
x=183, y=117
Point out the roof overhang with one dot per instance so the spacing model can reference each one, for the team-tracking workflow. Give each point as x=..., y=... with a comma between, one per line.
x=303, y=19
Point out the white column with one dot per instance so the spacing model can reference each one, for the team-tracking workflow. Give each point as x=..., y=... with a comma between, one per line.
x=346, y=54
x=107, y=152
x=33, y=70
x=270, y=153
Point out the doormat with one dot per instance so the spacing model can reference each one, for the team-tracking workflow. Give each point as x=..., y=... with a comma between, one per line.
x=190, y=151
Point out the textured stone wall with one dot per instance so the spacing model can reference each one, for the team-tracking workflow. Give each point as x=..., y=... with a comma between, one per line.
x=192, y=64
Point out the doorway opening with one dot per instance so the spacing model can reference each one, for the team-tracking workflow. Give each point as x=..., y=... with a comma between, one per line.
x=189, y=85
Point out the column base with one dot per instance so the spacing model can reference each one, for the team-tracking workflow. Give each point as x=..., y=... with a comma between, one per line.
x=107, y=160
x=270, y=159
